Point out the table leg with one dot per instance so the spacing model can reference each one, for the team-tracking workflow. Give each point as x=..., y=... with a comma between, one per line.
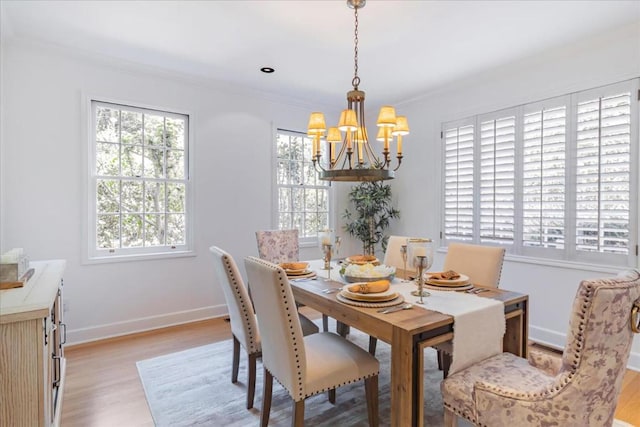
x=403, y=364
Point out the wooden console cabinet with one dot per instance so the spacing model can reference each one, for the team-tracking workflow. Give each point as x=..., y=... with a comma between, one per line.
x=32, y=336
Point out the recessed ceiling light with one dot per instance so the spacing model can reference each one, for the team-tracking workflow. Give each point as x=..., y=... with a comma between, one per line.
x=267, y=70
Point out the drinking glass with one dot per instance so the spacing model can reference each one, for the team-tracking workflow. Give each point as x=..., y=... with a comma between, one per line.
x=420, y=254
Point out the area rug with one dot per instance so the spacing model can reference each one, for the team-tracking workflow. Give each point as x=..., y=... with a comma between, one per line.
x=193, y=388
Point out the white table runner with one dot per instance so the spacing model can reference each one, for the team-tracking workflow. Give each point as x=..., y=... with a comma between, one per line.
x=478, y=326
x=479, y=322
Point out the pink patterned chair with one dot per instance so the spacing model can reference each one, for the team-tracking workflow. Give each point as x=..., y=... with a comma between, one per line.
x=278, y=245
x=580, y=390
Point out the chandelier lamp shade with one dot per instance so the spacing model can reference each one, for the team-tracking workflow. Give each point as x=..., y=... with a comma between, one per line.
x=350, y=155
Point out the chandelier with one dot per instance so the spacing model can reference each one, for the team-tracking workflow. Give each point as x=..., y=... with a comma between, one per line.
x=355, y=160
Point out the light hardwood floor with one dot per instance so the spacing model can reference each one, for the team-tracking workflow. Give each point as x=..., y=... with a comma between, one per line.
x=103, y=388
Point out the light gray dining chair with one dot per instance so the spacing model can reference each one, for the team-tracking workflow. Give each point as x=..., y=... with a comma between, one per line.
x=244, y=326
x=280, y=246
x=392, y=255
x=304, y=366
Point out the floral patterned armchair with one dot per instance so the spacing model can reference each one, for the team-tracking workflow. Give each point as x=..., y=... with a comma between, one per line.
x=581, y=389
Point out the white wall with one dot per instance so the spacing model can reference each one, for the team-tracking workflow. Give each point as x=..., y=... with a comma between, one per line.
x=41, y=171
x=602, y=60
x=43, y=144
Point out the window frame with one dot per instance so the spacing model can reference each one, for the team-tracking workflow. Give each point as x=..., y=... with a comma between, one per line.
x=569, y=253
x=93, y=254
x=304, y=241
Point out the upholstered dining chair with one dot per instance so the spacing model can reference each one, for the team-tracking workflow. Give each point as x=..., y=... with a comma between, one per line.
x=279, y=246
x=244, y=326
x=483, y=265
x=304, y=366
x=392, y=255
x=581, y=390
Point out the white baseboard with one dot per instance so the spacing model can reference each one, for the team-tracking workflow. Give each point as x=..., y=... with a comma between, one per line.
x=94, y=333
x=557, y=341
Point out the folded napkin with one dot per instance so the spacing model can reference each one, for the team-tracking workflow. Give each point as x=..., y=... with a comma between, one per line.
x=445, y=275
x=369, y=287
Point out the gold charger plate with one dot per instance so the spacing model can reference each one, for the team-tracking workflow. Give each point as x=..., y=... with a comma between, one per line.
x=436, y=287
x=461, y=281
x=297, y=272
x=370, y=304
x=388, y=295
x=307, y=275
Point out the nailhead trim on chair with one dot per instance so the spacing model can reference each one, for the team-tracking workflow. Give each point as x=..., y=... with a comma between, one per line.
x=566, y=378
x=291, y=328
x=284, y=281
x=245, y=310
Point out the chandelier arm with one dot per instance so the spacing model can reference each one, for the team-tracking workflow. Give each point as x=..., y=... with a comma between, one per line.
x=317, y=165
x=399, y=162
x=341, y=155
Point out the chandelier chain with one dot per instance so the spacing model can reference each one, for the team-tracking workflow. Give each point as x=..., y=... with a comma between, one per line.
x=356, y=80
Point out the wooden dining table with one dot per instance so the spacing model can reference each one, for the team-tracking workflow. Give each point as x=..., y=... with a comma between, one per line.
x=409, y=332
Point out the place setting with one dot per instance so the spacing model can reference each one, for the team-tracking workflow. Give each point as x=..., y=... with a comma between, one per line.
x=447, y=281
x=298, y=270
x=372, y=294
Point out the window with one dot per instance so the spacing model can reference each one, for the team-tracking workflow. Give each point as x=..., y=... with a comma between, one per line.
x=140, y=189
x=554, y=179
x=302, y=198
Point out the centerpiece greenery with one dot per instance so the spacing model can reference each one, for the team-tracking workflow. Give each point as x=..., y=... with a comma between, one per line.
x=371, y=216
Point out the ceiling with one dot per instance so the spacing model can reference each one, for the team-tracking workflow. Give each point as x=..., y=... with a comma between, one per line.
x=406, y=47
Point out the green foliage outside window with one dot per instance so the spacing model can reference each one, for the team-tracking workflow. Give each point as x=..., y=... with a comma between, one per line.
x=140, y=178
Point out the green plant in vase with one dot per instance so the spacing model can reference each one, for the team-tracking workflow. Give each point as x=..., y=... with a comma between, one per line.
x=371, y=215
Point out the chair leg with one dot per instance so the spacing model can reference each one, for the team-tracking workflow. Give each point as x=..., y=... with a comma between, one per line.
x=332, y=396
x=297, y=419
x=325, y=323
x=450, y=418
x=371, y=391
x=236, y=360
x=266, y=398
x=251, y=388
x=342, y=329
x=373, y=341
x=446, y=364
x=439, y=359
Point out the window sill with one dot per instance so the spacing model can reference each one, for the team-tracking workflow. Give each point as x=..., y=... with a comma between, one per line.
x=570, y=265
x=138, y=257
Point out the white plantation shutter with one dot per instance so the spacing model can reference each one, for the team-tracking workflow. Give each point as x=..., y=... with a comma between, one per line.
x=497, y=180
x=556, y=179
x=458, y=182
x=603, y=174
x=543, y=177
